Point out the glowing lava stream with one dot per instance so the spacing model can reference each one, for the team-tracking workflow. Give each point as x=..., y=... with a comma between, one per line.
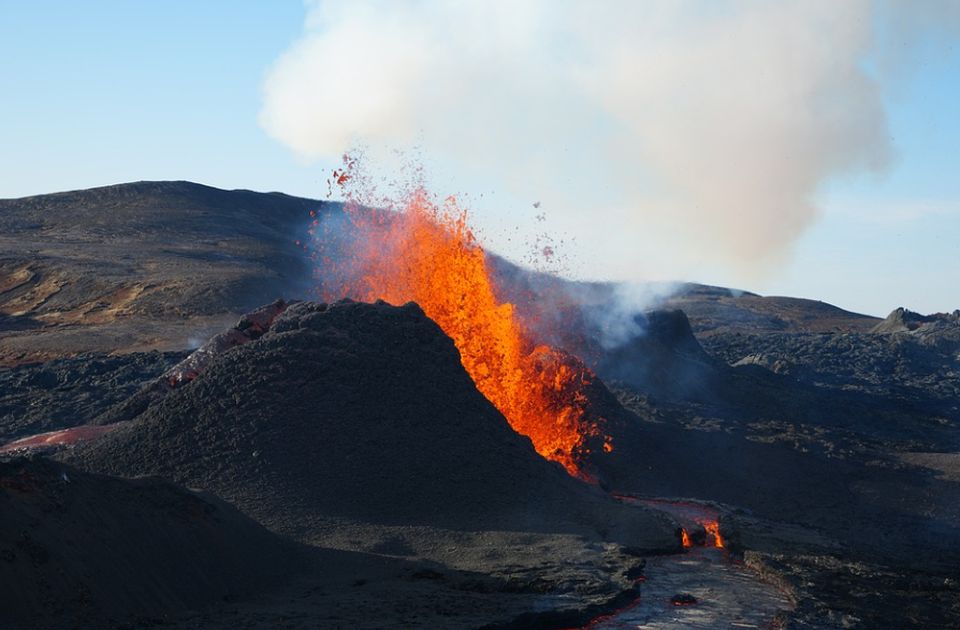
x=713, y=530
x=687, y=512
x=427, y=253
x=713, y=539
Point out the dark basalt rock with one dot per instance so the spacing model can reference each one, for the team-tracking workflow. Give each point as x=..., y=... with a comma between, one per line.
x=664, y=359
x=83, y=550
x=359, y=411
x=251, y=326
x=65, y=393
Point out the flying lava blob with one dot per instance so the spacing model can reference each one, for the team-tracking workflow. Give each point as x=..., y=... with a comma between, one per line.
x=426, y=252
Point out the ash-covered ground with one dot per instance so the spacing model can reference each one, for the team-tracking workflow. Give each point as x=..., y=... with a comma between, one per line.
x=362, y=461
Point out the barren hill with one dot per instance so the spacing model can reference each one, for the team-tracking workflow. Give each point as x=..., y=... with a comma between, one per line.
x=141, y=266
x=162, y=265
x=361, y=412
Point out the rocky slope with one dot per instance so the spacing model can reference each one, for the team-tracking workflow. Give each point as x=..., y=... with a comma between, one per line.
x=718, y=309
x=63, y=393
x=161, y=265
x=830, y=439
x=359, y=412
x=141, y=266
x=82, y=550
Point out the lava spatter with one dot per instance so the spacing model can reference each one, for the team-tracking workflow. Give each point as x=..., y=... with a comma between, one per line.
x=427, y=253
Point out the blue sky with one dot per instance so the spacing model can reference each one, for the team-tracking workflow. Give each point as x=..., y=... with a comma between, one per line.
x=895, y=238
x=98, y=93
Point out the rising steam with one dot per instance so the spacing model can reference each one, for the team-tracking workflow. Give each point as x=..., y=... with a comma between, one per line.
x=657, y=130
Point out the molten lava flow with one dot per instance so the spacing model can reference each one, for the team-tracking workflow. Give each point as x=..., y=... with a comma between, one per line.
x=691, y=512
x=428, y=254
x=713, y=529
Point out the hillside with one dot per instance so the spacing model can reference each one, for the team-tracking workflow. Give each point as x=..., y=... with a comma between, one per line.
x=140, y=266
x=164, y=265
x=826, y=441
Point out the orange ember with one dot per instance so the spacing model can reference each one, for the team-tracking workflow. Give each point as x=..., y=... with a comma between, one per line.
x=428, y=254
x=685, y=537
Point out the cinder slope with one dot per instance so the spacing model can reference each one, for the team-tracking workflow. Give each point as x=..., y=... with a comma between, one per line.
x=82, y=550
x=142, y=265
x=359, y=412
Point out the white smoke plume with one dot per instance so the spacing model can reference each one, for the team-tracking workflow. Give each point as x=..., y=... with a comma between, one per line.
x=682, y=131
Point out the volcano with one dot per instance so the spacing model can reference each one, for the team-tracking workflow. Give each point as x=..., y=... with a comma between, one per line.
x=819, y=446
x=363, y=412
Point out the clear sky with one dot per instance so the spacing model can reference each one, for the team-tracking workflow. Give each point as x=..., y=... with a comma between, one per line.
x=102, y=92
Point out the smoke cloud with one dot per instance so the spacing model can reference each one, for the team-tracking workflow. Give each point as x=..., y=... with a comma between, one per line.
x=666, y=130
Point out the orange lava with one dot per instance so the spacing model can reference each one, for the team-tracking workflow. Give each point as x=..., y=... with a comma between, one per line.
x=685, y=537
x=428, y=254
x=713, y=529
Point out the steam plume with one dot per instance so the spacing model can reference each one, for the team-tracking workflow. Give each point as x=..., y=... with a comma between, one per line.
x=655, y=129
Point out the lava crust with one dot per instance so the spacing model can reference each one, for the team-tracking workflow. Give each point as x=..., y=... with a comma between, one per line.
x=361, y=412
x=83, y=550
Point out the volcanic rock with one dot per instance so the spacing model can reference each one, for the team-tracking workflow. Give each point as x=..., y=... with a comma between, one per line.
x=362, y=412
x=65, y=393
x=654, y=352
x=144, y=265
x=905, y=320
x=775, y=364
x=853, y=441
x=902, y=320
x=251, y=326
x=853, y=453
x=83, y=550
x=664, y=359
x=714, y=310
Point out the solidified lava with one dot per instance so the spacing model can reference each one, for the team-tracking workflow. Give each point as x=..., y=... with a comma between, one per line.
x=79, y=550
x=784, y=410
x=362, y=411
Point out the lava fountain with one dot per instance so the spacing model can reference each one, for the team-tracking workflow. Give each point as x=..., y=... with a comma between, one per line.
x=427, y=253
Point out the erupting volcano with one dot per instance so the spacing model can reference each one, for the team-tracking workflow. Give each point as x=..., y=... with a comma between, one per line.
x=427, y=253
